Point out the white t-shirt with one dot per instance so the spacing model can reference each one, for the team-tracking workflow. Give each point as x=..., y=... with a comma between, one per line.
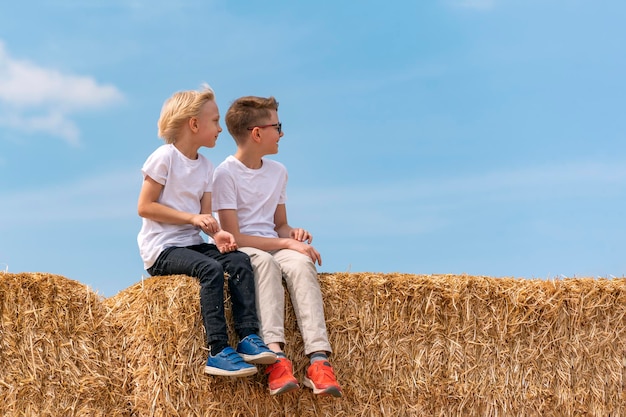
x=254, y=193
x=184, y=183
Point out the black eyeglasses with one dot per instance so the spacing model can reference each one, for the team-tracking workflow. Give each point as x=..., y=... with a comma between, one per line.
x=278, y=126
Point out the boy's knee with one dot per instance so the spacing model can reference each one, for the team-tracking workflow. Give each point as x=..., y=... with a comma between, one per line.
x=298, y=264
x=209, y=269
x=262, y=258
x=301, y=260
x=239, y=257
x=263, y=263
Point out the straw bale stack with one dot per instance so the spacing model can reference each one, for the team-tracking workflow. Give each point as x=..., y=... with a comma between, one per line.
x=165, y=345
x=405, y=345
x=476, y=346
x=58, y=356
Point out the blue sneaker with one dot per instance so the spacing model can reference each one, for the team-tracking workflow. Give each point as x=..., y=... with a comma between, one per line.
x=228, y=363
x=253, y=350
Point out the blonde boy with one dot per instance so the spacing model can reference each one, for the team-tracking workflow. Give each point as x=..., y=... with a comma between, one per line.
x=175, y=204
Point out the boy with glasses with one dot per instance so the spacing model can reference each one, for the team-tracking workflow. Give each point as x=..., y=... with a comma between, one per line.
x=175, y=204
x=249, y=195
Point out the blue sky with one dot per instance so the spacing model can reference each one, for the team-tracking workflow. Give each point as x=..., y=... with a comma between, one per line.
x=426, y=137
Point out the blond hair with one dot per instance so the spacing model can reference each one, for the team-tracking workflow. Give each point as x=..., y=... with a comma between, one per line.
x=179, y=108
x=247, y=112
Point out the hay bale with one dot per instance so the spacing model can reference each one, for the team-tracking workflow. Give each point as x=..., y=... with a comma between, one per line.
x=164, y=342
x=476, y=346
x=58, y=355
x=404, y=345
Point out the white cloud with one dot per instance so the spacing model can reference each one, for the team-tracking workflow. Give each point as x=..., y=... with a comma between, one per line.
x=35, y=99
x=51, y=122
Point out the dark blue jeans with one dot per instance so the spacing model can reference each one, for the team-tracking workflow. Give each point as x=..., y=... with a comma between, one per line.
x=206, y=263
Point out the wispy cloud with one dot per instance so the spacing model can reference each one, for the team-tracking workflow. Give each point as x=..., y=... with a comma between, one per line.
x=34, y=99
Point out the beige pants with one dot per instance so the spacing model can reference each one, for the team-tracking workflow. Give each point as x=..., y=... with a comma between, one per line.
x=300, y=275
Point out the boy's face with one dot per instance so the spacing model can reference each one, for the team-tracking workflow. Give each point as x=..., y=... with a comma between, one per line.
x=270, y=135
x=209, y=124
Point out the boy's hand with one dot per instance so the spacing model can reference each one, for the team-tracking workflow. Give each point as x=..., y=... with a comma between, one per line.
x=300, y=235
x=224, y=241
x=206, y=223
x=306, y=249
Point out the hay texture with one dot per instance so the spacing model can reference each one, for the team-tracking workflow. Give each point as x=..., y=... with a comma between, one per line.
x=164, y=341
x=476, y=346
x=58, y=356
x=405, y=345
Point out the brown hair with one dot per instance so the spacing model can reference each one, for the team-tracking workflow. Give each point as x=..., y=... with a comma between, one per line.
x=246, y=112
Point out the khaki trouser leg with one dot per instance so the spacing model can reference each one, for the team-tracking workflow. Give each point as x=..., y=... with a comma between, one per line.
x=300, y=275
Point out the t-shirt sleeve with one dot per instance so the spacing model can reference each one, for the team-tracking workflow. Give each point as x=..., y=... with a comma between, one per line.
x=156, y=167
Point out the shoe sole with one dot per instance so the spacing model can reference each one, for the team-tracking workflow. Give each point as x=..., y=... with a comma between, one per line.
x=265, y=358
x=222, y=372
x=334, y=391
x=288, y=387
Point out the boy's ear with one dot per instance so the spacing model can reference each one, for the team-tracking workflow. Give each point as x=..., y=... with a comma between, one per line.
x=255, y=135
x=193, y=124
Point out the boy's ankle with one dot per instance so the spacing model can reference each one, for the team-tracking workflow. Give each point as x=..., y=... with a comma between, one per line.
x=243, y=333
x=318, y=356
x=216, y=347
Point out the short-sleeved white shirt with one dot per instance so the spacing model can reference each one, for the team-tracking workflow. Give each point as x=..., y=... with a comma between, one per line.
x=254, y=193
x=184, y=183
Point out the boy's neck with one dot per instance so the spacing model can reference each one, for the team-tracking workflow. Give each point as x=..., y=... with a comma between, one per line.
x=249, y=160
x=187, y=149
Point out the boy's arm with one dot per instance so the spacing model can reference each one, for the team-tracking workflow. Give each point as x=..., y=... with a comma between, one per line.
x=284, y=230
x=149, y=207
x=224, y=241
x=280, y=221
x=230, y=222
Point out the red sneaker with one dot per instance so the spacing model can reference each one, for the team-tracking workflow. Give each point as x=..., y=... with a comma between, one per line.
x=321, y=379
x=280, y=377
